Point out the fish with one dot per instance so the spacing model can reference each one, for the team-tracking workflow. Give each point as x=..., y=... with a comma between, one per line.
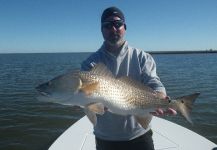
x=98, y=88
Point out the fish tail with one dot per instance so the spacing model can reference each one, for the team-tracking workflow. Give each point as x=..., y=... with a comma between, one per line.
x=185, y=104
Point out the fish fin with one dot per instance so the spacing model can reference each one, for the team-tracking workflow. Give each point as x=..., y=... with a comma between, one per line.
x=97, y=108
x=89, y=88
x=101, y=69
x=136, y=84
x=90, y=115
x=144, y=120
x=185, y=105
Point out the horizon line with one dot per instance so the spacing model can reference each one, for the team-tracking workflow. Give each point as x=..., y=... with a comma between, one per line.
x=153, y=52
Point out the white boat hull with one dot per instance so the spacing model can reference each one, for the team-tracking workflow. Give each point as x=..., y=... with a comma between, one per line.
x=166, y=135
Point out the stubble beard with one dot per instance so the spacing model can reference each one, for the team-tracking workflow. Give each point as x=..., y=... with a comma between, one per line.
x=116, y=41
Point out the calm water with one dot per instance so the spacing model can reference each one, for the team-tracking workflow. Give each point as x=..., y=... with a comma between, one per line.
x=26, y=123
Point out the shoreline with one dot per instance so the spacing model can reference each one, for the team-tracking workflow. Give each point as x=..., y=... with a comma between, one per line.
x=182, y=52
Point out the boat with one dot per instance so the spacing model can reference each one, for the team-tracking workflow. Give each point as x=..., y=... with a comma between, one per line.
x=166, y=135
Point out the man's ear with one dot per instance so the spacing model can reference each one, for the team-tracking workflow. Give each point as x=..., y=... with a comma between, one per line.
x=125, y=26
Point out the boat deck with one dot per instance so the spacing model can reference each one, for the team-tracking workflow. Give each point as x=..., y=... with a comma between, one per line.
x=166, y=135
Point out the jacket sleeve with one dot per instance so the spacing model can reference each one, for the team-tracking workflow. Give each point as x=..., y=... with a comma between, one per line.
x=90, y=62
x=87, y=65
x=149, y=74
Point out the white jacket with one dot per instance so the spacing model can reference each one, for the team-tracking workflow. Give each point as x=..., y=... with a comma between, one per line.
x=136, y=64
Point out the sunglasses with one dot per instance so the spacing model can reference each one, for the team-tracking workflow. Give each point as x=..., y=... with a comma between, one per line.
x=110, y=24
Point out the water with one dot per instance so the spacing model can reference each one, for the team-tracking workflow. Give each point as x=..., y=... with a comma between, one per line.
x=26, y=123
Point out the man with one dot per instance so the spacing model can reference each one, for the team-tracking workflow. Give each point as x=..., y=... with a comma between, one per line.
x=114, y=131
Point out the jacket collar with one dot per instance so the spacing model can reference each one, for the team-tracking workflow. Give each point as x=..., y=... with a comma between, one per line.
x=122, y=52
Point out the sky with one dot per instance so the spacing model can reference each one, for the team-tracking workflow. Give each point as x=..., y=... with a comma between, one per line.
x=37, y=26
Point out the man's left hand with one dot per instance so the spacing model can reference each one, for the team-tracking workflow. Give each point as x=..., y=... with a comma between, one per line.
x=160, y=111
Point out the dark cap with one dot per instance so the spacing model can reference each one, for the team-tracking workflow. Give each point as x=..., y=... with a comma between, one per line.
x=112, y=11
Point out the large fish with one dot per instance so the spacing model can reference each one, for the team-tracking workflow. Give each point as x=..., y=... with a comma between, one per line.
x=98, y=88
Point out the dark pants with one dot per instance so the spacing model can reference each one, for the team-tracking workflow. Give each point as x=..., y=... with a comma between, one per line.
x=144, y=142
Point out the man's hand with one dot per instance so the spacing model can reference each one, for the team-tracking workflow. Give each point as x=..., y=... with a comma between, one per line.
x=160, y=111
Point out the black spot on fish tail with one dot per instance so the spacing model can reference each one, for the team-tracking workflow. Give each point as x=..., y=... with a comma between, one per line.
x=185, y=105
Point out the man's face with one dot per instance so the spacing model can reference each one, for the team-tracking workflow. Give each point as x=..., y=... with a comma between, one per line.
x=113, y=31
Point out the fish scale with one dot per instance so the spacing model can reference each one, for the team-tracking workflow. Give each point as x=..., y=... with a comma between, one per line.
x=93, y=90
x=119, y=95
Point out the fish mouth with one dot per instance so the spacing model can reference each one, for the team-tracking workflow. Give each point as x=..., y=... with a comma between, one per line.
x=41, y=92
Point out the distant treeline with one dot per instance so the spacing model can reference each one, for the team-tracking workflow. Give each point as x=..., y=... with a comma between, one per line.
x=182, y=52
